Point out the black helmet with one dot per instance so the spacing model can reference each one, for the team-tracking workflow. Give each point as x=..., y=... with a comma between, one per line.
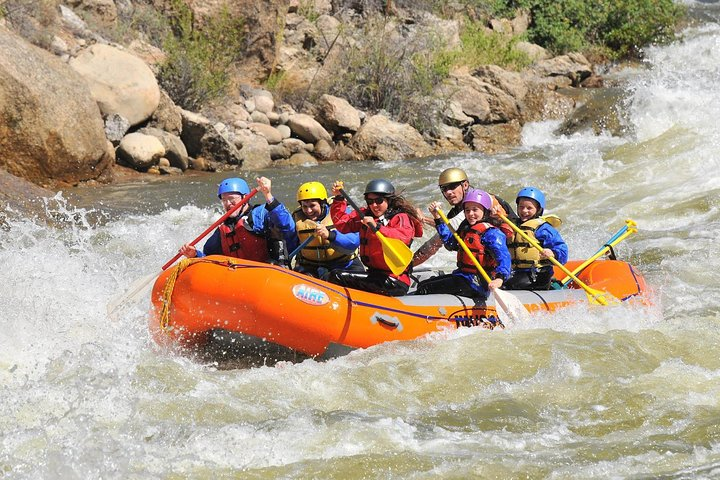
x=380, y=186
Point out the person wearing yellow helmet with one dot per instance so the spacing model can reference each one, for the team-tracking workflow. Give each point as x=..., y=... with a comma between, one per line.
x=324, y=248
x=454, y=184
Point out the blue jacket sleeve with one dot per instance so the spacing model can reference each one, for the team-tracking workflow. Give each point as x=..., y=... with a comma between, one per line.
x=549, y=237
x=278, y=219
x=212, y=245
x=346, y=242
x=495, y=240
x=447, y=237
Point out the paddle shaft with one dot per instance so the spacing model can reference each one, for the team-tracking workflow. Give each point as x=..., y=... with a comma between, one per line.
x=300, y=247
x=215, y=225
x=598, y=296
x=479, y=267
x=622, y=234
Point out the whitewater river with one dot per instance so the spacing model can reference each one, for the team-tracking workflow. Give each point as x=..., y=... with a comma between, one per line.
x=625, y=392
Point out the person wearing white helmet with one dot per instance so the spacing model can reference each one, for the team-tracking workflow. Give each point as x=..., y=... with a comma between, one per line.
x=454, y=184
x=262, y=233
x=487, y=243
x=531, y=268
x=327, y=248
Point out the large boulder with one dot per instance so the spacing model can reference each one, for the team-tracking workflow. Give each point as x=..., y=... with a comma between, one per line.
x=203, y=139
x=337, y=115
x=50, y=127
x=307, y=128
x=383, y=139
x=20, y=196
x=119, y=81
x=481, y=100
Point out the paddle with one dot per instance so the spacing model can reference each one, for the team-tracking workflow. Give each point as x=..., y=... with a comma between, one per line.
x=397, y=255
x=507, y=302
x=138, y=286
x=629, y=228
x=594, y=296
x=300, y=247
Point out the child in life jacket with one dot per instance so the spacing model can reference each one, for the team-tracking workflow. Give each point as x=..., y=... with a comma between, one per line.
x=531, y=268
x=328, y=249
x=261, y=233
x=481, y=233
x=395, y=217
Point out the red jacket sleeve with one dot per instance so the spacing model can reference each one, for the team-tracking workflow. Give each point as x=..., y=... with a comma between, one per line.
x=400, y=227
x=345, y=222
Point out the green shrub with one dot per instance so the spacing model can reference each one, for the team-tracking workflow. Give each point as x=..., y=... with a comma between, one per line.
x=620, y=27
x=385, y=71
x=198, y=63
x=481, y=46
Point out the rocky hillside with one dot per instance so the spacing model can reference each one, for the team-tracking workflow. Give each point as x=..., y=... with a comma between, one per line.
x=79, y=101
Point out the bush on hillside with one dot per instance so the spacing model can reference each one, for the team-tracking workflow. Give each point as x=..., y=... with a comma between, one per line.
x=198, y=64
x=481, y=46
x=388, y=72
x=620, y=28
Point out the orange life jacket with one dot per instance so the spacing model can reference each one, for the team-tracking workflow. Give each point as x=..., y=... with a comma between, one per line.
x=472, y=236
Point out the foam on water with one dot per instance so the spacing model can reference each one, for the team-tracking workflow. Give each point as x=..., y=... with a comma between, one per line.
x=585, y=392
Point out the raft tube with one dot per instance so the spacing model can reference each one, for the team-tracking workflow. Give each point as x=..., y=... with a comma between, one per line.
x=200, y=297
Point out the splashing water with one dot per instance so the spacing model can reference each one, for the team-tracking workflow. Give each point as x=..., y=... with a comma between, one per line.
x=582, y=393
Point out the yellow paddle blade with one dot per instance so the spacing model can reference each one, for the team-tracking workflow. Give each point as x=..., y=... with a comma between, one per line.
x=397, y=255
x=598, y=297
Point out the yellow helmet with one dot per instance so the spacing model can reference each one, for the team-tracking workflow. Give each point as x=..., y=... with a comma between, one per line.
x=311, y=190
x=452, y=175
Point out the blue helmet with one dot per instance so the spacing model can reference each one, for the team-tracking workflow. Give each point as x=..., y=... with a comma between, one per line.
x=533, y=193
x=233, y=185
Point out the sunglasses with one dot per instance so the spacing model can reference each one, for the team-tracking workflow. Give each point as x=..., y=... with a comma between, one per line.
x=450, y=186
x=376, y=200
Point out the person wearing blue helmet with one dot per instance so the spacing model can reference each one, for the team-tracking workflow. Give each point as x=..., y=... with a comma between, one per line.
x=531, y=268
x=262, y=233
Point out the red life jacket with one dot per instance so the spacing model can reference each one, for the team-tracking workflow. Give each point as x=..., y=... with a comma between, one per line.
x=472, y=236
x=242, y=243
x=371, y=252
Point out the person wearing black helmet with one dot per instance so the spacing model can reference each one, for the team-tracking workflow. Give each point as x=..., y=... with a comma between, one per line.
x=261, y=233
x=454, y=184
x=395, y=217
x=531, y=268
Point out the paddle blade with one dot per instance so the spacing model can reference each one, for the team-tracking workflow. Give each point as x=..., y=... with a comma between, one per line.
x=510, y=308
x=136, y=289
x=597, y=297
x=397, y=255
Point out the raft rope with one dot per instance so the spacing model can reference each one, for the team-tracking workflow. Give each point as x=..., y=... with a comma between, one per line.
x=170, y=285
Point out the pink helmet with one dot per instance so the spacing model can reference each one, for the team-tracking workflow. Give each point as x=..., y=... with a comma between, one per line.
x=478, y=196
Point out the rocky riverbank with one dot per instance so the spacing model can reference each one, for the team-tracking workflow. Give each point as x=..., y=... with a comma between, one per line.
x=83, y=107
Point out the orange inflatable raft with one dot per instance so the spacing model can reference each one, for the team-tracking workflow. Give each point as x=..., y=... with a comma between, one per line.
x=202, y=297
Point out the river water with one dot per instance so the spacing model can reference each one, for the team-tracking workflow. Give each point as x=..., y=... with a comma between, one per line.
x=627, y=392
